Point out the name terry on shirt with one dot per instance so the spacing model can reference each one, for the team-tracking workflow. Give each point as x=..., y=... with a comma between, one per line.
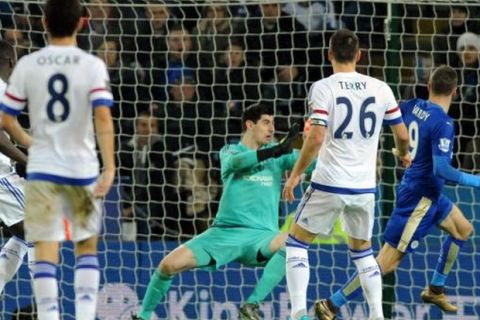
x=421, y=114
x=353, y=85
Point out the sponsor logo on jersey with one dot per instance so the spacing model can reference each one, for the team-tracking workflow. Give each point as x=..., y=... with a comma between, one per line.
x=266, y=181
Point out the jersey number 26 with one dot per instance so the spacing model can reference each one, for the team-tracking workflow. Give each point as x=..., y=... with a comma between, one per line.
x=340, y=133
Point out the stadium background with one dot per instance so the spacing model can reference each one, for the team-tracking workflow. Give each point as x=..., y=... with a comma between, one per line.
x=178, y=99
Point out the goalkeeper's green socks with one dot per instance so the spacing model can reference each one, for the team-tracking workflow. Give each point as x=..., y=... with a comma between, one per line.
x=156, y=290
x=272, y=274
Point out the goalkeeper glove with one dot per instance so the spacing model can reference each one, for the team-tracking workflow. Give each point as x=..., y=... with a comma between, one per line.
x=284, y=147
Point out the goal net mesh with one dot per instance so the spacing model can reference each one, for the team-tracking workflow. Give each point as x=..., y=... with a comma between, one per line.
x=182, y=72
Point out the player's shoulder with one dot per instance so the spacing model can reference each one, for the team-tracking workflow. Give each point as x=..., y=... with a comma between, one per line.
x=28, y=59
x=408, y=105
x=376, y=83
x=231, y=148
x=90, y=59
x=321, y=84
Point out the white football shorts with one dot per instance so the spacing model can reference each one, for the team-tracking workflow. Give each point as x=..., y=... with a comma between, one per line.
x=318, y=211
x=48, y=205
x=12, y=199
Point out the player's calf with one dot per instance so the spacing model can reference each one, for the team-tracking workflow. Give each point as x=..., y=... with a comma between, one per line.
x=436, y=295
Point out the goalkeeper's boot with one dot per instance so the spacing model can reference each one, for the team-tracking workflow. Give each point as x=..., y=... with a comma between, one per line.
x=324, y=310
x=135, y=317
x=249, y=311
x=438, y=297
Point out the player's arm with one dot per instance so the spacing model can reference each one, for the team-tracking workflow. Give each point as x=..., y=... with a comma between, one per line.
x=9, y=149
x=237, y=161
x=443, y=169
x=402, y=142
x=104, y=133
x=442, y=149
x=290, y=159
x=11, y=125
x=311, y=147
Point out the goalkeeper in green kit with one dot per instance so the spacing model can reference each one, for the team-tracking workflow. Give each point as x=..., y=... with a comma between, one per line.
x=246, y=228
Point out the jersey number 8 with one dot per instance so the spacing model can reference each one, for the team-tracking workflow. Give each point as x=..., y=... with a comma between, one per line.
x=57, y=93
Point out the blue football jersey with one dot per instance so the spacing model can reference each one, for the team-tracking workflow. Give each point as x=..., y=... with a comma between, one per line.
x=431, y=133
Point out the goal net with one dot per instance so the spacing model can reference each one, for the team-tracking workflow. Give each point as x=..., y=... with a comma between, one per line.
x=181, y=74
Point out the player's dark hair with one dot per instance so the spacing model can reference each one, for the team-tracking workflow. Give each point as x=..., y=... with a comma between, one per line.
x=7, y=54
x=344, y=46
x=62, y=17
x=255, y=112
x=443, y=80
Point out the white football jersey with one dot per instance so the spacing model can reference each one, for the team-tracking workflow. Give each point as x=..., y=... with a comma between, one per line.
x=6, y=166
x=353, y=107
x=61, y=86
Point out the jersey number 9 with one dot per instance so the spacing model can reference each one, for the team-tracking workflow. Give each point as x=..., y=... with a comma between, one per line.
x=413, y=134
x=58, y=107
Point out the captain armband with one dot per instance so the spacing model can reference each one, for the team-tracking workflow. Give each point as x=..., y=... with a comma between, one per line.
x=318, y=122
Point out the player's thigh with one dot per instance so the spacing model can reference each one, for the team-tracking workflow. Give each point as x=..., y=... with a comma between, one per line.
x=218, y=246
x=278, y=242
x=43, y=215
x=86, y=247
x=12, y=200
x=83, y=210
x=260, y=245
x=358, y=217
x=318, y=211
x=456, y=224
x=412, y=219
x=180, y=259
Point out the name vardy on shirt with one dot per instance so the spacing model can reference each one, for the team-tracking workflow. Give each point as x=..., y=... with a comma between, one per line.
x=420, y=114
x=353, y=85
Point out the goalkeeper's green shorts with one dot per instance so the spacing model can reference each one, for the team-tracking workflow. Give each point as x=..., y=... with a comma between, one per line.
x=218, y=246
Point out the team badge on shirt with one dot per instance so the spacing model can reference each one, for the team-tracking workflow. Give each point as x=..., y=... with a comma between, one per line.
x=444, y=144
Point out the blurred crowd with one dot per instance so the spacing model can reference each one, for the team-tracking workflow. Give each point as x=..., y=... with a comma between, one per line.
x=182, y=75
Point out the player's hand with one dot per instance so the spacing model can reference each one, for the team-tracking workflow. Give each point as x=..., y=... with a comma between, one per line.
x=290, y=185
x=287, y=142
x=406, y=159
x=287, y=74
x=104, y=182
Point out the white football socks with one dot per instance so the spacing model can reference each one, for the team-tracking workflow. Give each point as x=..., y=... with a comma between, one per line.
x=86, y=282
x=11, y=258
x=45, y=288
x=298, y=276
x=370, y=279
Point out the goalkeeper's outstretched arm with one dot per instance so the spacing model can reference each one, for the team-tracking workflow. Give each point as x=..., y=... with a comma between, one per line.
x=237, y=161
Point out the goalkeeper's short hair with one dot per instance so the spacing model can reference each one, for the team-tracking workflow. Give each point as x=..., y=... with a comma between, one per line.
x=255, y=112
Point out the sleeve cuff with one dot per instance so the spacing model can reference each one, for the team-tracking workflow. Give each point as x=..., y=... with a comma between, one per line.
x=7, y=109
x=102, y=102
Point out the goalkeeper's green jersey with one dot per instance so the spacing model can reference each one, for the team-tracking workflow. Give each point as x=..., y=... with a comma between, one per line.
x=251, y=189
